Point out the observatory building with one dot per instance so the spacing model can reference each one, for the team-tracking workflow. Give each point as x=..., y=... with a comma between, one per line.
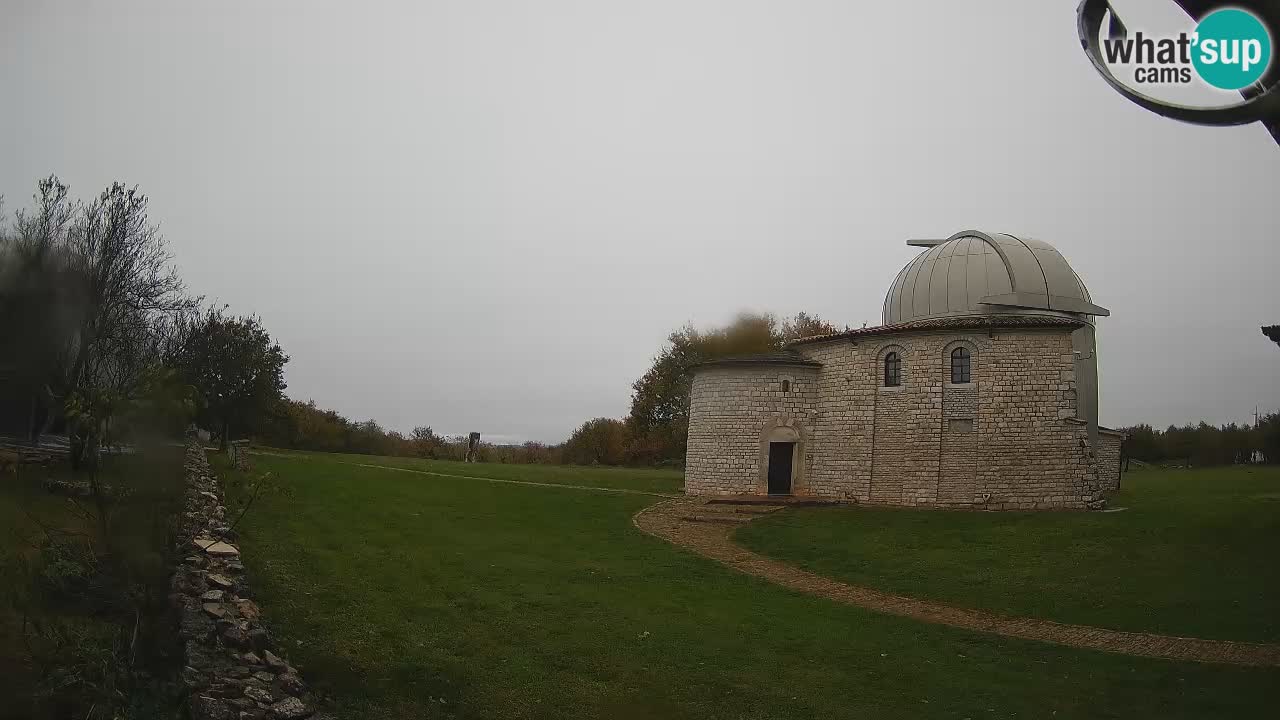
x=979, y=390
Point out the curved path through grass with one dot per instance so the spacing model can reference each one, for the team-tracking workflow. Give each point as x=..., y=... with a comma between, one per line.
x=412, y=595
x=667, y=520
x=1192, y=554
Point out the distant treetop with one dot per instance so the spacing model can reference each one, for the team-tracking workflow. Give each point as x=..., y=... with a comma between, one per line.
x=1273, y=332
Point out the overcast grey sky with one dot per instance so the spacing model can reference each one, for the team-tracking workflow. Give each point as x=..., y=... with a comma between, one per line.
x=489, y=215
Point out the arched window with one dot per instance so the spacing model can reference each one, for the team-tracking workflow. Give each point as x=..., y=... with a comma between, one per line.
x=892, y=370
x=960, y=365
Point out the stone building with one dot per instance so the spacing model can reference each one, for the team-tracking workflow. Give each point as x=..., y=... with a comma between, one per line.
x=979, y=390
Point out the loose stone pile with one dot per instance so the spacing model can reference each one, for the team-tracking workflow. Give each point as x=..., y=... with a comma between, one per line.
x=231, y=672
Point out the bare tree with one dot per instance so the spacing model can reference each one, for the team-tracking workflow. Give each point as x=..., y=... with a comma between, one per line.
x=124, y=286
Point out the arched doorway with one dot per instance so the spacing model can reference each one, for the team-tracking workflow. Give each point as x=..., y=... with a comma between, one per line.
x=782, y=452
x=781, y=459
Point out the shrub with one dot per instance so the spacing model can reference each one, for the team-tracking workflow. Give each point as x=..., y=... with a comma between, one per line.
x=66, y=566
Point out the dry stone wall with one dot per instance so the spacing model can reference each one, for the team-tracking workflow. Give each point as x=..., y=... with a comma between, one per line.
x=1007, y=440
x=231, y=670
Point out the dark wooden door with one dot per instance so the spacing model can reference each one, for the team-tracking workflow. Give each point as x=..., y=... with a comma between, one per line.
x=780, y=467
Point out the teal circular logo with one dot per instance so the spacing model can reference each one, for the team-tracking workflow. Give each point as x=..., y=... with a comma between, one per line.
x=1232, y=49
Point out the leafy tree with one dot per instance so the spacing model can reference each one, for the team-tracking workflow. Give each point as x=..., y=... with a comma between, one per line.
x=1269, y=437
x=659, y=417
x=1272, y=332
x=806, y=325
x=425, y=441
x=1204, y=445
x=602, y=441
x=1143, y=442
x=236, y=367
x=368, y=438
x=304, y=426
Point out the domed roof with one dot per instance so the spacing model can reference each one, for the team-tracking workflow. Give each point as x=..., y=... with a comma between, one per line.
x=978, y=273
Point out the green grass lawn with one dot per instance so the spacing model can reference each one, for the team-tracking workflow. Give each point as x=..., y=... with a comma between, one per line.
x=417, y=596
x=655, y=481
x=24, y=507
x=62, y=631
x=1194, y=554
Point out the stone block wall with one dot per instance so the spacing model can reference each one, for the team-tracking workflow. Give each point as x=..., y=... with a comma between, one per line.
x=1006, y=440
x=1109, y=458
x=731, y=409
x=1032, y=457
x=959, y=451
x=843, y=423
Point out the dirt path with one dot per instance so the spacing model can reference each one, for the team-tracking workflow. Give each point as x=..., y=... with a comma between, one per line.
x=669, y=521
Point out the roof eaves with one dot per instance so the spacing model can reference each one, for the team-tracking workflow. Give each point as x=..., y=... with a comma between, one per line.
x=964, y=322
x=782, y=359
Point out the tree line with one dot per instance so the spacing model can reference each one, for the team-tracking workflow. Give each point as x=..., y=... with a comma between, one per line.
x=100, y=342
x=1205, y=445
x=104, y=344
x=300, y=425
x=652, y=434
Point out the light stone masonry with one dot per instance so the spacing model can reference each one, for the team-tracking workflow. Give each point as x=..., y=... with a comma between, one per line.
x=1010, y=439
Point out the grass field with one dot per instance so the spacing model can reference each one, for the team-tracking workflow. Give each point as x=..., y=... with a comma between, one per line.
x=406, y=595
x=66, y=611
x=655, y=481
x=1193, y=554
x=24, y=507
